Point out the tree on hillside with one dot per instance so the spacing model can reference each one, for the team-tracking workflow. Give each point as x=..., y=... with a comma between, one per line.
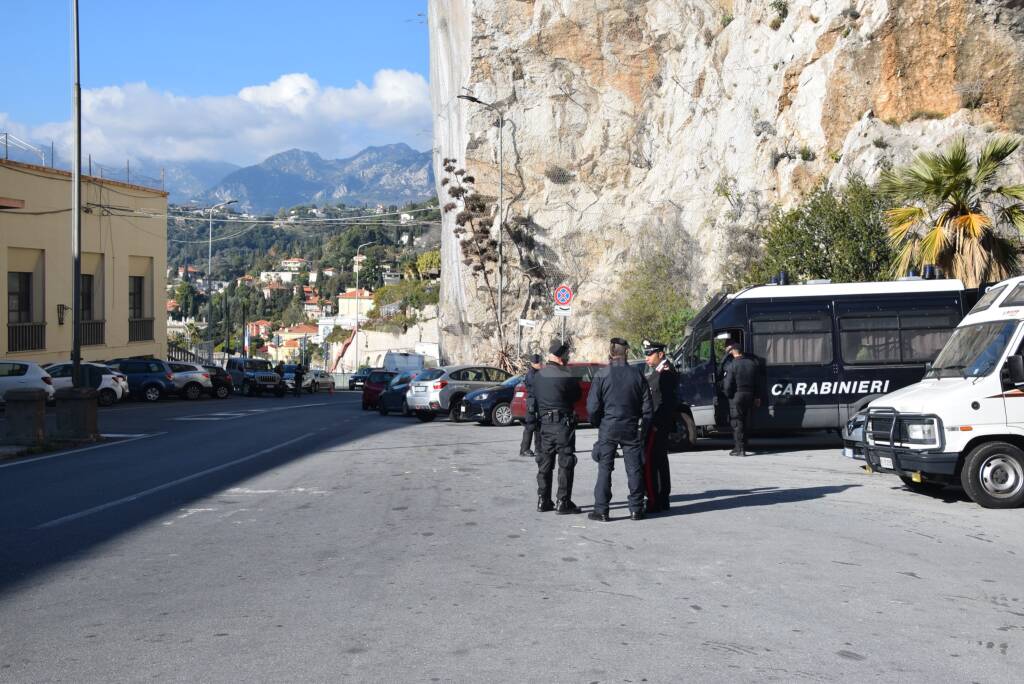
x=954, y=215
x=429, y=263
x=839, y=234
x=649, y=303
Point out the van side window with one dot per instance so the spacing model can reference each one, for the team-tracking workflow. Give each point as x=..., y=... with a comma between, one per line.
x=1015, y=298
x=903, y=338
x=791, y=342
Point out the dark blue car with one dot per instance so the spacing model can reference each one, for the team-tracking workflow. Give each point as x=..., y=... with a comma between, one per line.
x=491, y=405
x=148, y=379
x=392, y=399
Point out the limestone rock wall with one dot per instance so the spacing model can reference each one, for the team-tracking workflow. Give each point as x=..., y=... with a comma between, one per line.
x=676, y=125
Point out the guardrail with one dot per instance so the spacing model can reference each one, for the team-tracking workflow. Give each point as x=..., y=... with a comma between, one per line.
x=140, y=329
x=93, y=332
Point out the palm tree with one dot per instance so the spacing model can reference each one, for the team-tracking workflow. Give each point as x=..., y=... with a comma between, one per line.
x=953, y=214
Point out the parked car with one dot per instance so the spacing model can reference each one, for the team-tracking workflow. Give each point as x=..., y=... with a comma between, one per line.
x=223, y=385
x=491, y=405
x=322, y=380
x=584, y=371
x=252, y=377
x=440, y=390
x=24, y=375
x=358, y=379
x=853, y=436
x=113, y=386
x=148, y=379
x=191, y=380
x=374, y=386
x=403, y=361
x=392, y=399
x=289, y=378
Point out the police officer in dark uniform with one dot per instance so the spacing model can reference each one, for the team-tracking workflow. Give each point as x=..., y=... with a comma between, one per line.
x=556, y=392
x=664, y=382
x=531, y=424
x=742, y=387
x=619, y=399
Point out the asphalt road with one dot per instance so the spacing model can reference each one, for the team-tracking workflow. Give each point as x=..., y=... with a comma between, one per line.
x=301, y=539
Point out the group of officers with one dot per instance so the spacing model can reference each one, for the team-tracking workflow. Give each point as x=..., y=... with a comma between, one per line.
x=634, y=411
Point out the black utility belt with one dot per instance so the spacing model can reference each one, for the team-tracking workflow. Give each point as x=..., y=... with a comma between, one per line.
x=554, y=416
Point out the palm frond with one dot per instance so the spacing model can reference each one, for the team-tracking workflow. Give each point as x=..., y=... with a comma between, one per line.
x=1013, y=191
x=992, y=157
x=906, y=256
x=954, y=162
x=1004, y=258
x=903, y=219
x=934, y=243
x=1014, y=215
x=973, y=224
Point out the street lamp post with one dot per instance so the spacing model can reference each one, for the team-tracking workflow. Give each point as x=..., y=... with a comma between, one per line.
x=76, y=210
x=501, y=202
x=359, y=267
x=209, y=271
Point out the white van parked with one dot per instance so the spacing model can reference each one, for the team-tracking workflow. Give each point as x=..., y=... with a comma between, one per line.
x=965, y=419
x=399, y=362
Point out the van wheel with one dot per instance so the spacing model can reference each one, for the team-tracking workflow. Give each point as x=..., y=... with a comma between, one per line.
x=193, y=391
x=107, y=397
x=993, y=475
x=684, y=434
x=425, y=416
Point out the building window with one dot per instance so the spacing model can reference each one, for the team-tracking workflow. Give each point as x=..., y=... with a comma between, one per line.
x=800, y=341
x=19, y=297
x=136, y=287
x=86, y=293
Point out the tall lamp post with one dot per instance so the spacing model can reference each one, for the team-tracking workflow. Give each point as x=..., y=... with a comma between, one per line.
x=501, y=200
x=209, y=272
x=76, y=210
x=359, y=295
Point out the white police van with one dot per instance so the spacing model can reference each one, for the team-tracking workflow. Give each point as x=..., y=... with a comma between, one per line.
x=965, y=419
x=827, y=349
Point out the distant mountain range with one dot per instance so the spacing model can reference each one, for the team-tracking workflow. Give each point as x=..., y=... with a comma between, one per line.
x=388, y=174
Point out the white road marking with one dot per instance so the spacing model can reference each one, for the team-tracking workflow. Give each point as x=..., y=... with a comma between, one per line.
x=168, y=485
x=200, y=417
x=129, y=438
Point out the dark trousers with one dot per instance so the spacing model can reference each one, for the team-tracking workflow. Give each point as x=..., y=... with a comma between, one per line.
x=656, y=470
x=531, y=435
x=740, y=406
x=556, y=441
x=298, y=385
x=632, y=456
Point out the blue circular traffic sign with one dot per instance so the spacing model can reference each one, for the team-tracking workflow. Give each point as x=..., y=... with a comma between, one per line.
x=563, y=295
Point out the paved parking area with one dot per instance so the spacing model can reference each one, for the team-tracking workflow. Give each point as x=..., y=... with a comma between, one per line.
x=363, y=548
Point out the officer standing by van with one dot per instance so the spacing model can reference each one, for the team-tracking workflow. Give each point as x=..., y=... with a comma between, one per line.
x=556, y=392
x=664, y=382
x=531, y=425
x=619, y=399
x=742, y=388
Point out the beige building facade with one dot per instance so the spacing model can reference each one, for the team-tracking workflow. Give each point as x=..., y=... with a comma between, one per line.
x=124, y=255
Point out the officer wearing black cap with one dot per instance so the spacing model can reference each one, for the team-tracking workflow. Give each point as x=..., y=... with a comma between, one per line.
x=619, y=400
x=663, y=381
x=743, y=388
x=555, y=392
x=531, y=424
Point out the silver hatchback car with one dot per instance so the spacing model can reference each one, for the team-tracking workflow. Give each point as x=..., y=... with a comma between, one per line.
x=190, y=380
x=437, y=391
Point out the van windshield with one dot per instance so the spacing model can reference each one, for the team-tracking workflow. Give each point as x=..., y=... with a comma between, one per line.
x=973, y=350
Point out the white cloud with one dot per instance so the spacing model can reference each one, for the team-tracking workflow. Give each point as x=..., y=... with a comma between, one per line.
x=135, y=121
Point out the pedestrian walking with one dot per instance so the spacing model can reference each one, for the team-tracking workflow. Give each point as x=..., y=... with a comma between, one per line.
x=282, y=388
x=619, y=400
x=298, y=376
x=531, y=422
x=663, y=381
x=742, y=388
x=556, y=392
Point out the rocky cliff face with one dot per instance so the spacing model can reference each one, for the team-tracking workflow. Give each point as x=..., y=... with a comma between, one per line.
x=676, y=125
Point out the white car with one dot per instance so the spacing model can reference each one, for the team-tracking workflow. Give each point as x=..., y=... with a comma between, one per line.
x=322, y=380
x=113, y=385
x=24, y=375
x=190, y=380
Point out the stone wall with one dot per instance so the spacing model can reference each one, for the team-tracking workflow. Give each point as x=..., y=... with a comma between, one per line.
x=676, y=125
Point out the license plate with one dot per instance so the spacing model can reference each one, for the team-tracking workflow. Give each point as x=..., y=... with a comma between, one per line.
x=419, y=389
x=463, y=408
x=885, y=462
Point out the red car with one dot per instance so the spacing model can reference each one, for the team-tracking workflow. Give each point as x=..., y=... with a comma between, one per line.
x=583, y=371
x=375, y=385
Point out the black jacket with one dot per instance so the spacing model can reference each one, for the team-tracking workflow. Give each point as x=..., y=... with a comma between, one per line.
x=619, y=398
x=743, y=375
x=531, y=399
x=555, y=389
x=664, y=384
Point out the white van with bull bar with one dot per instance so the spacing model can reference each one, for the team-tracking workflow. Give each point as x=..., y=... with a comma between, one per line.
x=965, y=419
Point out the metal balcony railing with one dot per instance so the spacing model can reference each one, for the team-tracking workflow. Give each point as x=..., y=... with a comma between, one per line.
x=140, y=329
x=26, y=336
x=93, y=332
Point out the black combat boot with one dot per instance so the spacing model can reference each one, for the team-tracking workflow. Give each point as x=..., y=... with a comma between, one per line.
x=566, y=507
x=598, y=516
x=545, y=505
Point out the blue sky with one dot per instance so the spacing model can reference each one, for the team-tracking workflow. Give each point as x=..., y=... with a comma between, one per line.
x=166, y=60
